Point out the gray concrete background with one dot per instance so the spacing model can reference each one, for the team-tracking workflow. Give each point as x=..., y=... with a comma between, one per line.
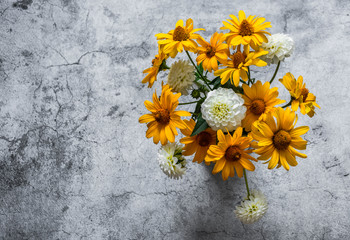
x=75, y=163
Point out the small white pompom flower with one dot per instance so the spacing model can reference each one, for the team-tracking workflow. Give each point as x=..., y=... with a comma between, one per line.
x=223, y=109
x=171, y=160
x=279, y=47
x=252, y=209
x=181, y=76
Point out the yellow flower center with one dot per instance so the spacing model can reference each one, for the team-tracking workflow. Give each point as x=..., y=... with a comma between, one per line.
x=281, y=140
x=237, y=59
x=210, y=52
x=245, y=29
x=233, y=153
x=220, y=110
x=257, y=107
x=204, y=139
x=180, y=34
x=162, y=116
x=304, y=93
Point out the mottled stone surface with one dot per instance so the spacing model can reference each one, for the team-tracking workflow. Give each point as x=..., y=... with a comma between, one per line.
x=75, y=163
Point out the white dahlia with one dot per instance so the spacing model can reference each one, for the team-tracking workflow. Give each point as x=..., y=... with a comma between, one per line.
x=171, y=160
x=181, y=76
x=252, y=209
x=223, y=109
x=279, y=47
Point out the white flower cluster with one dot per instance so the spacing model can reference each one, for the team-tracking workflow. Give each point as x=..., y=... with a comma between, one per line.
x=252, y=209
x=223, y=109
x=171, y=160
x=181, y=76
x=279, y=47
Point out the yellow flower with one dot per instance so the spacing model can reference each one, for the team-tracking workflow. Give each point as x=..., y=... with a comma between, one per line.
x=259, y=99
x=210, y=53
x=156, y=67
x=163, y=120
x=237, y=66
x=198, y=144
x=278, y=142
x=230, y=154
x=246, y=31
x=300, y=95
x=182, y=37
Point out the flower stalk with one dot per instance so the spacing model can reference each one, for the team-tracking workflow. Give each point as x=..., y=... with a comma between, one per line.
x=188, y=103
x=274, y=75
x=246, y=182
x=200, y=74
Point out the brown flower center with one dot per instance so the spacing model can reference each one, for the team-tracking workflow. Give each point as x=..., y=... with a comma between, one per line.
x=233, y=153
x=162, y=116
x=204, y=139
x=281, y=140
x=257, y=107
x=180, y=34
x=304, y=93
x=210, y=52
x=237, y=59
x=245, y=29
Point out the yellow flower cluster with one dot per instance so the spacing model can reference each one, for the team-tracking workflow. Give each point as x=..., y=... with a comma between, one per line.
x=266, y=129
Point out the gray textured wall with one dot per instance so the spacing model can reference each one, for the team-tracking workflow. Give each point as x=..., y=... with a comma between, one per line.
x=75, y=163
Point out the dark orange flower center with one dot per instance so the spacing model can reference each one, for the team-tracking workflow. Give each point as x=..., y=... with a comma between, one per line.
x=233, y=153
x=162, y=116
x=304, y=93
x=180, y=34
x=204, y=139
x=257, y=107
x=210, y=52
x=245, y=29
x=237, y=59
x=281, y=140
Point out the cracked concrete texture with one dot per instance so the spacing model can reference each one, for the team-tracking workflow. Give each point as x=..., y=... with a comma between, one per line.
x=75, y=163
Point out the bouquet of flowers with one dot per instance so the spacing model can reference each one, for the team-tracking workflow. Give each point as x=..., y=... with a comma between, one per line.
x=233, y=114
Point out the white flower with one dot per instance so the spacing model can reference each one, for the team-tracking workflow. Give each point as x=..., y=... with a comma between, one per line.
x=181, y=76
x=223, y=109
x=279, y=47
x=171, y=160
x=252, y=209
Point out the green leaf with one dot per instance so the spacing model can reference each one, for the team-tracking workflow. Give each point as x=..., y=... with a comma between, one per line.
x=198, y=106
x=200, y=126
x=215, y=80
x=200, y=68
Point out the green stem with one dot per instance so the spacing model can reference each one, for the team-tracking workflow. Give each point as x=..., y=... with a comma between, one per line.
x=274, y=75
x=249, y=80
x=200, y=74
x=288, y=104
x=246, y=182
x=188, y=103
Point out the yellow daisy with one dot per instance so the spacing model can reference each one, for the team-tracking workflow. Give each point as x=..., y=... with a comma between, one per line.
x=210, y=53
x=259, y=99
x=198, y=144
x=230, y=154
x=277, y=143
x=157, y=65
x=237, y=66
x=163, y=120
x=182, y=37
x=300, y=95
x=246, y=31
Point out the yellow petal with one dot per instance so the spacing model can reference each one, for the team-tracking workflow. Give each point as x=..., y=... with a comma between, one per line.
x=219, y=165
x=296, y=132
x=146, y=118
